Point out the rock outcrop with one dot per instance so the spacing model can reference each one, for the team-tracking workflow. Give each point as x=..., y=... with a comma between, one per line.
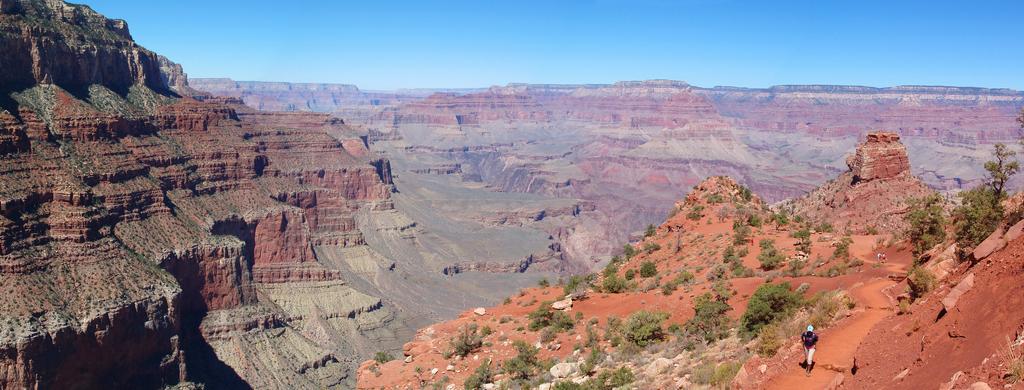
x=873, y=195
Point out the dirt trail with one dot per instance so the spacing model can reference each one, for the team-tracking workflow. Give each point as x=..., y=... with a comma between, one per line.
x=837, y=345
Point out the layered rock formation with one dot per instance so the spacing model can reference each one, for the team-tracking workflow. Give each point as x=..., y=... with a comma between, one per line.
x=873, y=194
x=151, y=235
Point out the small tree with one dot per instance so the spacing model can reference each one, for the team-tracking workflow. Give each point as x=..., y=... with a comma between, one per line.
x=481, y=376
x=804, y=237
x=1000, y=170
x=525, y=364
x=920, y=282
x=927, y=223
x=978, y=215
x=770, y=257
x=467, y=341
x=741, y=233
x=709, y=321
x=769, y=303
x=650, y=231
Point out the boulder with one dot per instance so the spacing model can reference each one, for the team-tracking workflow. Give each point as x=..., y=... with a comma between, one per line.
x=901, y=375
x=658, y=366
x=836, y=382
x=563, y=370
x=564, y=304
x=993, y=243
x=479, y=311
x=980, y=386
x=965, y=285
x=1015, y=231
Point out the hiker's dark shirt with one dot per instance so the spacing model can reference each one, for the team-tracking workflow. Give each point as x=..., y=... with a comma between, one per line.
x=810, y=339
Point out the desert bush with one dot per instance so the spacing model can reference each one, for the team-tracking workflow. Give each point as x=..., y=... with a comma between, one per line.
x=740, y=234
x=696, y=213
x=769, y=340
x=1013, y=360
x=481, y=376
x=546, y=317
x=543, y=282
x=770, y=257
x=614, y=284
x=644, y=328
x=525, y=364
x=804, y=240
x=607, y=380
x=467, y=341
x=709, y=321
x=383, y=357
x=978, y=215
x=927, y=223
x=650, y=231
x=769, y=303
x=648, y=269
x=651, y=247
x=919, y=282
x=842, y=251
x=628, y=251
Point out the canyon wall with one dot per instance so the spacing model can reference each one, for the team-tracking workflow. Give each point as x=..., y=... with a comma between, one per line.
x=152, y=235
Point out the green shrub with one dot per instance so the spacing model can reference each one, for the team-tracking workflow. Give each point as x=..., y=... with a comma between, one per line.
x=740, y=234
x=525, y=364
x=630, y=274
x=651, y=247
x=695, y=213
x=927, y=223
x=920, y=282
x=781, y=218
x=769, y=303
x=575, y=285
x=768, y=340
x=481, y=376
x=804, y=240
x=614, y=284
x=644, y=328
x=628, y=251
x=543, y=282
x=709, y=321
x=978, y=215
x=842, y=251
x=648, y=269
x=382, y=357
x=714, y=198
x=770, y=257
x=467, y=341
x=651, y=230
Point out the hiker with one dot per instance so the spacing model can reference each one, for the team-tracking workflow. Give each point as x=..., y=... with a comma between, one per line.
x=810, y=339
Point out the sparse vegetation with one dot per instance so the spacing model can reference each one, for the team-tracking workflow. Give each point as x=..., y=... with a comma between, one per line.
x=770, y=256
x=525, y=364
x=467, y=341
x=651, y=247
x=650, y=231
x=1013, y=360
x=740, y=233
x=628, y=251
x=804, y=240
x=543, y=282
x=481, y=376
x=927, y=223
x=382, y=357
x=546, y=317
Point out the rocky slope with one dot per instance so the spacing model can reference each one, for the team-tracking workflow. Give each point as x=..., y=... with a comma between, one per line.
x=874, y=194
x=152, y=236
x=689, y=256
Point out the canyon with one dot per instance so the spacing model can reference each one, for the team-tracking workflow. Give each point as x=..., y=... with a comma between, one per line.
x=160, y=231
x=631, y=149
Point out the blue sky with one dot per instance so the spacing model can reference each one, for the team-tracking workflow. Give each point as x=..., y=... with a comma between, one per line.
x=405, y=44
